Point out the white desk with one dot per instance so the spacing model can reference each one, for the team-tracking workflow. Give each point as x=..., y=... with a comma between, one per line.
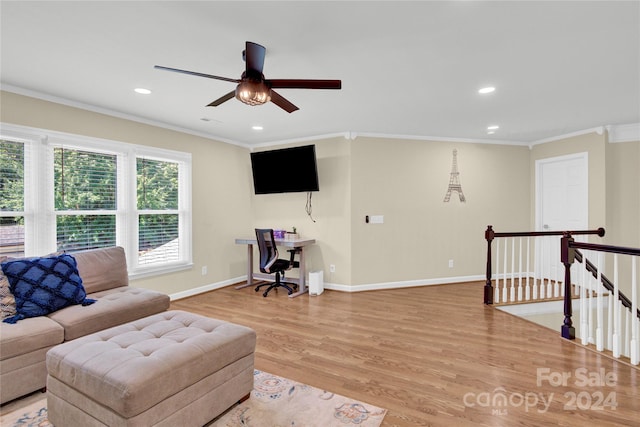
x=296, y=244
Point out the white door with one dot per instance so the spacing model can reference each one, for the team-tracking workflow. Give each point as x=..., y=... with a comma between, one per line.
x=561, y=204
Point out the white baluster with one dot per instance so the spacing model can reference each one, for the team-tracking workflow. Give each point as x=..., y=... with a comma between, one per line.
x=543, y=263
x=496, y=290
x=549, y=289
x=627, y=333
x=584, y=325
x=504, y=277
x=616, y=310
x=590, y=318
x=600, y=317
x=527, y=289
x=635, y=342
x=520, y=269
x=536, y=268
x=560, y=278
x=609, y=321
x=512, y=289
x=556, y=276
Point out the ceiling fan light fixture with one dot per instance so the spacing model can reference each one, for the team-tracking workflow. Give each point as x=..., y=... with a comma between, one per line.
x=253, y=93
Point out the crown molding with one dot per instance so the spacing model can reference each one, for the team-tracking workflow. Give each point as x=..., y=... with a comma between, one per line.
x=617, y=133
x=100, y=110
x=624, y=133
x=599, y=130
x=354, y=135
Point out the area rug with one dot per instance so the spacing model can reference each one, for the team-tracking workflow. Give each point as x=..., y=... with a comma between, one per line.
x=275, y=402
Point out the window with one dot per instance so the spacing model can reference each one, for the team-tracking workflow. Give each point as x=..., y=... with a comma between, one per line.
x=74, y=193
x=158, y=215
x=11, y=198
x=85, y=195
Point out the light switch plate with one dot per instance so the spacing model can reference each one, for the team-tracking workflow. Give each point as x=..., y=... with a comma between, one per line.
x=376, y=219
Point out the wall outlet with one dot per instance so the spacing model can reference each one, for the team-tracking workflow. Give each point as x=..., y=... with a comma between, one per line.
x=204, y=270
x=450, y=263
x=332, y=268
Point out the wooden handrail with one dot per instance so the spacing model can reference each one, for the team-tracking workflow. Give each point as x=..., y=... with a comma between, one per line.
x=490, y=234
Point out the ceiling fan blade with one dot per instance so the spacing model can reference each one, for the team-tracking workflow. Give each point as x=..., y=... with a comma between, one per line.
x=222, y=99
x=281, y=102
x=254, y=57
x=193, y=73
x=304, y=84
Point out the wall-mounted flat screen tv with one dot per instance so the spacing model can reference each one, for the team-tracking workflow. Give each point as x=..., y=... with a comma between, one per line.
x=287, y=170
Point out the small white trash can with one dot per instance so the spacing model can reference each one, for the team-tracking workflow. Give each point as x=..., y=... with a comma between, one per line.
x=316, y=282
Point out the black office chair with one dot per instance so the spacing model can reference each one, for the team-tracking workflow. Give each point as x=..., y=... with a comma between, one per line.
x=270, y=263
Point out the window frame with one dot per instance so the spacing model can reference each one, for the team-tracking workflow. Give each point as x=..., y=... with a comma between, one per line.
x=39, y=211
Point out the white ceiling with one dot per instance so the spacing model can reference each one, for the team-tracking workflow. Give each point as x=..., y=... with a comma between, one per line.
x=407, y=68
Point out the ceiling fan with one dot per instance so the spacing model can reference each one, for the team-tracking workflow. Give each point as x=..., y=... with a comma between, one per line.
x=253, y=88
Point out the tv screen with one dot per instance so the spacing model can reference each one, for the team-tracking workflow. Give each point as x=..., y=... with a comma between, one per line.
x=288, y=170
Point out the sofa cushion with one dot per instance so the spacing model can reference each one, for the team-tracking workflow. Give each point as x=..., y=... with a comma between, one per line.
x=102, y=269
x=43, y=285
x=28, y=335
x=114, y=307
x=7, y=301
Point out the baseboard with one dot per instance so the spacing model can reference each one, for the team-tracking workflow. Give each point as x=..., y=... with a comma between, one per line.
x=403, y=284
x=206, y=288
x=338, y=286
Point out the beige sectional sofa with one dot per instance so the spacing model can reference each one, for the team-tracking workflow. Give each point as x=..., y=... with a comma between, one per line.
x=23, y=345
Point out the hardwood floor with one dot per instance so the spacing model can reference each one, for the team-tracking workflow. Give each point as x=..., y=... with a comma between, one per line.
x=432, y=355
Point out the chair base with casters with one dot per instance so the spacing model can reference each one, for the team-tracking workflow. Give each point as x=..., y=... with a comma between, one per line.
x=277, y=284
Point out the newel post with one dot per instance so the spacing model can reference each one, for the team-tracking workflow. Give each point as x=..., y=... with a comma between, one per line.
x=567, y=256
x=489, y=234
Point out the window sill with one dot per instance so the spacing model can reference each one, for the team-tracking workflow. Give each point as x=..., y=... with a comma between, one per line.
x=142, y=273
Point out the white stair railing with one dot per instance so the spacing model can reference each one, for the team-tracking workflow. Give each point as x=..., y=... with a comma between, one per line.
x=612, y=321
x=527, y=265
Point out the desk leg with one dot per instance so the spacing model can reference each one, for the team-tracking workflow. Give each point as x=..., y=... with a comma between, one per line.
x=249, y=268
x=302, y=289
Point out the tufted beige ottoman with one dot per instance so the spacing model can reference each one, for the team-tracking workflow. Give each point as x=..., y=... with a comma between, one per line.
x=170, y=369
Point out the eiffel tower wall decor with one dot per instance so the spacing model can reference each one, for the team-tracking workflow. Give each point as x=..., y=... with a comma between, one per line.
x=454, y=180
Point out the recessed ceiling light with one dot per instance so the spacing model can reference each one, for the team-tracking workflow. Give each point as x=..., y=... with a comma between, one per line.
x=142, y=91
x=487, y=89
x=493, y=127
x=491, y=132
x=257, y=127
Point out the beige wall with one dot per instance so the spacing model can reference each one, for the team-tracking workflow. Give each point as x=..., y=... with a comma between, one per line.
x=331, y=208
x=623, y=207
x=404, y=180
x=221, y=208
x=623, y=194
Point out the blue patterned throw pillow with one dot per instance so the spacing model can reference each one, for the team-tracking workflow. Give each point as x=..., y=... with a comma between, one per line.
x=44, y=285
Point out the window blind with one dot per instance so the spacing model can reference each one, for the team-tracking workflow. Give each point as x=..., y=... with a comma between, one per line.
x=85, y=195
x=158, y=219
x=11, y=198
